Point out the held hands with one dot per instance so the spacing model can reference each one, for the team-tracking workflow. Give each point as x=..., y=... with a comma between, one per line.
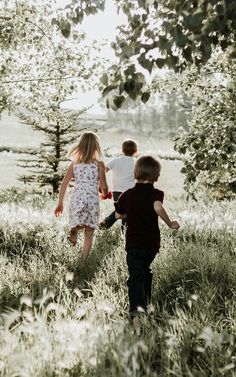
x=59, y=209
x=108, y=196
x=174, y=225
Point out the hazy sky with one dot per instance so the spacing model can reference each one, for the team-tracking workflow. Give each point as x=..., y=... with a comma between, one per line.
x=103, y=24
x=101, y=27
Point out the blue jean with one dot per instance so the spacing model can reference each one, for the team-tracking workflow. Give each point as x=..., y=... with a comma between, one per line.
x=111, y=219
x=140, y=279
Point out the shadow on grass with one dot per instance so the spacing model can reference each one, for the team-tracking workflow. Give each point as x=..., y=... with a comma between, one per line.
x=195, y=275
x=54, y=259
x=105, y=242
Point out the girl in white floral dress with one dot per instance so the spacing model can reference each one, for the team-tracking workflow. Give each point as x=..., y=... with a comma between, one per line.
x=89, y=175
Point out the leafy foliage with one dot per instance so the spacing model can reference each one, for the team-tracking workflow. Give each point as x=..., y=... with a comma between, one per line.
x=163, y=33
x=74, y=14
x=210, y=142
x=38, y=59
x=42, y=70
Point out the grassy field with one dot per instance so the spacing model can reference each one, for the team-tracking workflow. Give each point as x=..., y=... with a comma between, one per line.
x=61, y=318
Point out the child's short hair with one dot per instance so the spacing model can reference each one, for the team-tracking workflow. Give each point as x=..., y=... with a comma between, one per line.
x=129, y=147
x=147, y=168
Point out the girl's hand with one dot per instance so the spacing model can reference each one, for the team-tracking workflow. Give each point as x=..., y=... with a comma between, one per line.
x=59, y=209
x=174, y=225
x=108, y=196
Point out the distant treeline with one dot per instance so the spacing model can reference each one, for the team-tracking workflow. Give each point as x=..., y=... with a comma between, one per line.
x=162, y=115
x=19, y=150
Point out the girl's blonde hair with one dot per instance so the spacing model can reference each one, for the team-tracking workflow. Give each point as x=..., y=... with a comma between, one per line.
x=88, y=148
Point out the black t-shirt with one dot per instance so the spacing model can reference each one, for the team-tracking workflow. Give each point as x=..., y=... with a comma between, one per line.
x=142, y=221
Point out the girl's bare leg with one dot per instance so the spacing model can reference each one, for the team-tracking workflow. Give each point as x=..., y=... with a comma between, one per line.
x=88, y=240
x=73, y=235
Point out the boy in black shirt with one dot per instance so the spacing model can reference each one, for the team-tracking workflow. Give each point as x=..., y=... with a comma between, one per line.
x=141, y=207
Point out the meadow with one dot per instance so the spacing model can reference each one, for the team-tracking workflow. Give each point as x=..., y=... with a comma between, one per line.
x=60, y=317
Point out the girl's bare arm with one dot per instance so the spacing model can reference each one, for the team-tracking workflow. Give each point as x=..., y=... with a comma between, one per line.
x=69, y=175
x=160, y=210
x=102, y=179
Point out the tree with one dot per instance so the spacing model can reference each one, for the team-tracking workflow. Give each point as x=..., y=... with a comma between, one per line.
x=160, y=33
x=210, y=142
x=5, y=41
x=43, y=71
x=46, y=164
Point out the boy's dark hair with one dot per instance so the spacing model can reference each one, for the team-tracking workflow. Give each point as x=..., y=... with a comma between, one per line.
x=129, y=147
x=147, y=168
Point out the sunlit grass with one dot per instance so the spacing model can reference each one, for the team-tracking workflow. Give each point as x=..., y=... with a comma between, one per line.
x=63, y=318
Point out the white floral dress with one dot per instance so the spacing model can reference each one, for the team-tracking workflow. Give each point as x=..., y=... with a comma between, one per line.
x=84, y=202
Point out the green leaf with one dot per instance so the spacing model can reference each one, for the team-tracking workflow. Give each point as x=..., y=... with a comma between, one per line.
x=141, y=3
x=129, y=86
x=130, y=70
x=108, y=89
x=160, y=63
x=145, y=97
x=164, y=43
x=172, y=61
x=187, y=54
x=111, y=104
x=127, y=51
x=54, y=21
x=121, y=88
x=135, y=21
x=65, y=28
x=180, y=38
x=118, y=101
x=145, y=63
x=104, y=79
x=194, y=22
x=139, y=77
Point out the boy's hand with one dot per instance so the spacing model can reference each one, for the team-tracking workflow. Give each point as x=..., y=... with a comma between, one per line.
x=174, y=225
x=59, y=209
x=120, y=217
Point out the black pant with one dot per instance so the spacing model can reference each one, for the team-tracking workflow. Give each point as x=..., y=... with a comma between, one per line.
x=111, y=219
x=140, y=279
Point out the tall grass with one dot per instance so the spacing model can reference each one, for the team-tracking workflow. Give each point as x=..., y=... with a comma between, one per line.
x=60, y=317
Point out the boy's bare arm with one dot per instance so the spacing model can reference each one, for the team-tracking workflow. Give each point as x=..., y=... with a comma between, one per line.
x=160, y=210
x=119, y=216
